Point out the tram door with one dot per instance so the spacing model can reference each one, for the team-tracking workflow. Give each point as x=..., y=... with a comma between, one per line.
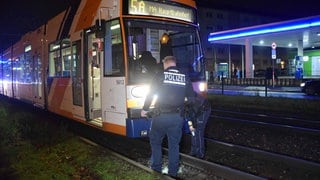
x=92, y=69
x=114, y=111
x=37, y=75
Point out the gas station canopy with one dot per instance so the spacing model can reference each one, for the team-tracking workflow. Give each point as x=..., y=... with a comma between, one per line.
x=287, y=34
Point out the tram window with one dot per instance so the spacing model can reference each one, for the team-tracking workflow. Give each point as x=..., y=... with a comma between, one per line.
x=54, y=56
x=76, y=63
x=66, y=54
x=27, y=68
x=181, y=41
x=18, y=70
x=1, y=71
x=76, y=73
x=7, y=71
x=37, y=73
x=113, y=61
x=60, y=59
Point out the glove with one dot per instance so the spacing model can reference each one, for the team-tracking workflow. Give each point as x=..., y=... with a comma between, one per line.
x=144, y=113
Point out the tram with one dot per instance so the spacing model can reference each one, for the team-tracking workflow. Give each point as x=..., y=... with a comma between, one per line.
x=86, y=63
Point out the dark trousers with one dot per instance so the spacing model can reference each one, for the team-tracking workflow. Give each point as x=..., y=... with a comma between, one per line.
x=169, y=124
x=197, y=141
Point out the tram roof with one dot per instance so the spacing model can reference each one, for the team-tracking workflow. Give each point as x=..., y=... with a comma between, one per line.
x=282, y=33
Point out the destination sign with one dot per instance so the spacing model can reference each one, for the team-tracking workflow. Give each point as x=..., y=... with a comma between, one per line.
x=142, y=7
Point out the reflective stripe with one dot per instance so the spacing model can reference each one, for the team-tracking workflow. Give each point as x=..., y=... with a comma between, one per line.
x=174, y=78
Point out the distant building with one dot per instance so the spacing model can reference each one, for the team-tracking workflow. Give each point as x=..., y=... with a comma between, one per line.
x=214, y=20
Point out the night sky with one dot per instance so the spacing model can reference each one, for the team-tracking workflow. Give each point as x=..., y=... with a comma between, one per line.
x=282, y=9
x=18, y=17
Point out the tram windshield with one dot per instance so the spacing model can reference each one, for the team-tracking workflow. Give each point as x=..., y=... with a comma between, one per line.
x=149, y=42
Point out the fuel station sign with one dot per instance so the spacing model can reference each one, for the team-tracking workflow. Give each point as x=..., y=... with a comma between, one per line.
x=273, y=50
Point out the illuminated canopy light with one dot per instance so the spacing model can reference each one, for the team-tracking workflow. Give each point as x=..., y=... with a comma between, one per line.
x=272, y=28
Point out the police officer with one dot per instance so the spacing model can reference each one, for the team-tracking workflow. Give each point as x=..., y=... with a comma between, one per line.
x=171, y=87
x=202, y=110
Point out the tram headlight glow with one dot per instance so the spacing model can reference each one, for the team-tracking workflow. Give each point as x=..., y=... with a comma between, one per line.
x=140, y=91
x=202, y=86
x=136, y=96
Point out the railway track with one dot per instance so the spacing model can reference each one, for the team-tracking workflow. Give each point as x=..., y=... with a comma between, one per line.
x=267, y=145
x=274, y=135
x=227, y=158
x=128, y=160
x=204, y=169
x=283, y=121
x=137, y=152
x=224, y=160
x=261, y=162
x=230, y=154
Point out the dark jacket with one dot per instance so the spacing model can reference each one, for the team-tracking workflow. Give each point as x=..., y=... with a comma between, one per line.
x=195, y=107
x=171, y=87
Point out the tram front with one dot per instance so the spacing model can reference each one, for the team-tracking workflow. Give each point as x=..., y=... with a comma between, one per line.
x=148, y=42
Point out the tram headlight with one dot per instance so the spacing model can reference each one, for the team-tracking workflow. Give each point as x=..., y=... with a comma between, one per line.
x=202, y=86
x=140, y=91
x=136, y=96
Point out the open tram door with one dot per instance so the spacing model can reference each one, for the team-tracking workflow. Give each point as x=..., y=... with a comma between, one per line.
x=105, y=90
x=93, y=55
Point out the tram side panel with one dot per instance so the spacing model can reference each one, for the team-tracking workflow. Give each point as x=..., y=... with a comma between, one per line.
x=105, y=96
x=12, y=71
x=29, y=70
x=60, y=97
x=37, y=56
x=7, y=73
x=24, y=64
x=59, y=71
x=17, y=56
